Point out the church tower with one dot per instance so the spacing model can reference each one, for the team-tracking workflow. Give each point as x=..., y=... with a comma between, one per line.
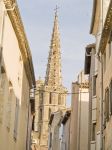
x=50, y=94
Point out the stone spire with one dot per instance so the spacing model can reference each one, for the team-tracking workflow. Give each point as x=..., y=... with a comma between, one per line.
x=53, y=72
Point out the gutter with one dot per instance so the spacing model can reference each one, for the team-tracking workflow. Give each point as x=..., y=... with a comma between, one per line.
x=93, y=15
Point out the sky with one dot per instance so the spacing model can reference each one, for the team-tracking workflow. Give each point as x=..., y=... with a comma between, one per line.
x=74, y=25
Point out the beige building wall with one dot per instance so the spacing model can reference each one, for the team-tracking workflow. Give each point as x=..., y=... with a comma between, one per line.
x=79, y=114
x=91, y=69
x=15, y=106
x=104, y=74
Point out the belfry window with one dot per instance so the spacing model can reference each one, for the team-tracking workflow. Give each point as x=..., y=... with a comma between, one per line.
x=50, y=98
x=40, y=113
x=49, y=113
x=59, y=99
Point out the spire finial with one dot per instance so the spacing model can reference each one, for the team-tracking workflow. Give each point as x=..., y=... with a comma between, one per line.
x=56, y=10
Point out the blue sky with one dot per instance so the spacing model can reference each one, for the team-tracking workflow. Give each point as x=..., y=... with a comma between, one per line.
x=74, y=25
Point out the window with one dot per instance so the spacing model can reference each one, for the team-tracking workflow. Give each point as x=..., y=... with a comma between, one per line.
x=94, y=85
x=50, y=98
x=110, y=44
x=40, y=113
x=110, y=48
x=41, y=95
x=16, y=118
x=49, y=113
x=59, y=99
x=110, y=93
x=107, y=104
x=41, y=98
x=93, y=131
x=50, y=140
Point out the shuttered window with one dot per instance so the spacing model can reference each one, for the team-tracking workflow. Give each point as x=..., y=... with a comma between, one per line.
x=94, y=85
x=107, y=104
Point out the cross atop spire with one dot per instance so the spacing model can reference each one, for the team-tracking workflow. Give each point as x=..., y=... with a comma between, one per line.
x=56, y=10
x=53, y=72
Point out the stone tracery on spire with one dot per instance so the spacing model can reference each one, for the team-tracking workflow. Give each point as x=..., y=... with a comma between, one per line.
x=53, y=72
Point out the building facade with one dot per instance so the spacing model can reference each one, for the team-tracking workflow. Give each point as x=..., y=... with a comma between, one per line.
x=90, y=68
x=16, y=81
x=65, y=139
x=51, y=94
x=79, y=114
x=101, y=29
x=54, y=130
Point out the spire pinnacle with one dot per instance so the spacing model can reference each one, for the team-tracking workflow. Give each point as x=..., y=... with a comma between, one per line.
x=53, y=72
x=56, y=10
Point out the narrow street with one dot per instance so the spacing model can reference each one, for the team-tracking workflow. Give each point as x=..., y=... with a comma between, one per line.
x=55, y=75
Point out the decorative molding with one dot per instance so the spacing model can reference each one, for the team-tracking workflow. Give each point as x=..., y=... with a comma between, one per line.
x=106, y=29
x=84, y=85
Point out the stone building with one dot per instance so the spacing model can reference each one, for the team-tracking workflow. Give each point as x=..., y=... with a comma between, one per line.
x=54, y=130
x=101, y=28
x=65, y=139
x=90, y=69
x=16, y=80
x=79, y=114
x=50, y=94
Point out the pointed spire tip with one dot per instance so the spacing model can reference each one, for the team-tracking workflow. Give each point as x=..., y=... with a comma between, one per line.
x=56, y=10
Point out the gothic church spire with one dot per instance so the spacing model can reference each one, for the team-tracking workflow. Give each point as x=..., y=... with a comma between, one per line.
x=53, y=72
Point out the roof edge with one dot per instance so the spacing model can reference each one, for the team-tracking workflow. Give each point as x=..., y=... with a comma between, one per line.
x=93, y=16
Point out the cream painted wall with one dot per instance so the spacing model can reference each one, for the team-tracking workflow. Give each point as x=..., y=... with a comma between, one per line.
x=79, y=115
x=15, y=73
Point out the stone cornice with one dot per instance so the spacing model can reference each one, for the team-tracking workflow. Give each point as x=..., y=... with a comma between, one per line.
x=106, y=29
x=17, y=24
